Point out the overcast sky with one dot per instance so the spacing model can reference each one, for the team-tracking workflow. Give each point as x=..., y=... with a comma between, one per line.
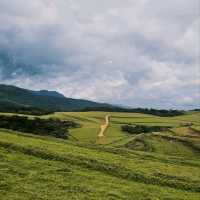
x=133, y=52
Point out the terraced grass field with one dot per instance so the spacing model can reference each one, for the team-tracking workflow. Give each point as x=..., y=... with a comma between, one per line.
x=158, y=165
x=91, y=121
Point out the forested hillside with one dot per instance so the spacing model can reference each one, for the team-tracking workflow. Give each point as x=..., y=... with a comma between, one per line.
x=23, y=99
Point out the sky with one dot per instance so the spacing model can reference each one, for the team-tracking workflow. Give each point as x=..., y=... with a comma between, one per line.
x=142, y=53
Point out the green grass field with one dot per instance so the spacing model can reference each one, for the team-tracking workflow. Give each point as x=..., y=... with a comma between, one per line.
x=90, y=122
x=153, y=166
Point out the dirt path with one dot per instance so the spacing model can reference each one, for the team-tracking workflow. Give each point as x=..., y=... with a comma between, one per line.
x=104, y=127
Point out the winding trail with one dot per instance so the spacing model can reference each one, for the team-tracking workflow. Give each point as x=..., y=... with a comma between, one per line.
x=104, y=126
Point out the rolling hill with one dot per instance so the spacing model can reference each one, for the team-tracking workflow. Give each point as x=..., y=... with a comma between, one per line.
x=118, y=166
x=46, y=100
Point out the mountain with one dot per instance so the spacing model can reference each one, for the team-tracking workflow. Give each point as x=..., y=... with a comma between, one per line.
x=46, y=100
x=48, y=93
x=15, y=99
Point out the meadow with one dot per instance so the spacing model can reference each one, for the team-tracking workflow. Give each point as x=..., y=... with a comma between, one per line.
x=158, y=165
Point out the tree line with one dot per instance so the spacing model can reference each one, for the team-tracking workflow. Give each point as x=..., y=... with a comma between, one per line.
x=161, y=113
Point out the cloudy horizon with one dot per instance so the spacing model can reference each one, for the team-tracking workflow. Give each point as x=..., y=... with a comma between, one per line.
x=136, y=53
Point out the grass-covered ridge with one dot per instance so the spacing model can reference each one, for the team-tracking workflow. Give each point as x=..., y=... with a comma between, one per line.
x=154, y=165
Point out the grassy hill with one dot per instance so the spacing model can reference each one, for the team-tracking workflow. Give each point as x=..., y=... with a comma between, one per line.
x=158, y=165
x=46, y=100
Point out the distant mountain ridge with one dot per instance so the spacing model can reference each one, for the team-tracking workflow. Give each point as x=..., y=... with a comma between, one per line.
x=44, y=99
x=48, y=93
x=19, y=100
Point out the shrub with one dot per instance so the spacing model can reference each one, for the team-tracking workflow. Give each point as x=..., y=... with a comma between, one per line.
x=137, y=129
x=52, y=127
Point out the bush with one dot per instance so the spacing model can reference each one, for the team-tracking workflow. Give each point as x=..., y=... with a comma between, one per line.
x=52, y=127
x=137, y=129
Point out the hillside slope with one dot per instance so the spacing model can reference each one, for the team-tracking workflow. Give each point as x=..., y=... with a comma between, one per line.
x=159, y=165
x=48, y=100
x=56, y=169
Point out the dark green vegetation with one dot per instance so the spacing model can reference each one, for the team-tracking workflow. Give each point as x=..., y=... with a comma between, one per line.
x=162, y=164
x=50, y=101
x=6, y=106
x=137, y=129
x=51, y=127
x=161, y=113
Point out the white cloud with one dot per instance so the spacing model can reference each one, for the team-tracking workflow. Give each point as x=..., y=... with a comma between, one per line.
x=127, y=52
